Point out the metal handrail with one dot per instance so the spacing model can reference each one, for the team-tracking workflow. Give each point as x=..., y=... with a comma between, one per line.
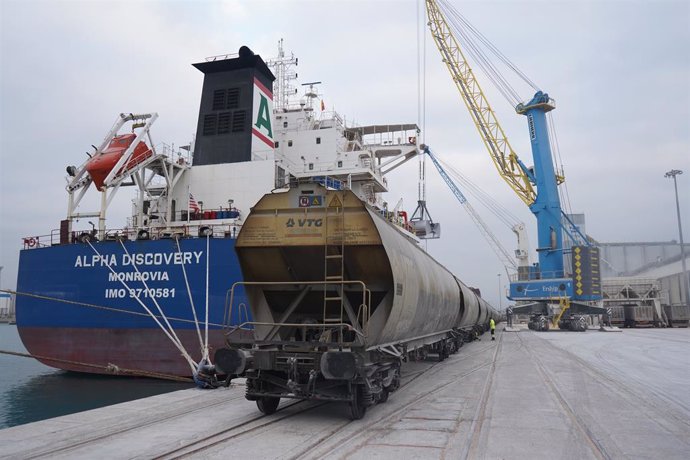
x=538, y=275
x=366, y=297
x=303, y=325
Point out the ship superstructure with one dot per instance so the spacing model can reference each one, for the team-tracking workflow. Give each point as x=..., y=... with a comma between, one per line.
x=151, y=294
x=246, y=144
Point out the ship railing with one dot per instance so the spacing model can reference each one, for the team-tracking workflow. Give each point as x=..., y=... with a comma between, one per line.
x=193, y=229
x=353, y=146
x=398, y=219
x=403, y=136
x=287, y=163
x=329, y=182
x=222, y=57
x=330, y=119
x=39, y=241
x=55, y=238
x=358, y=320
x=182, y=154
x=185, y=216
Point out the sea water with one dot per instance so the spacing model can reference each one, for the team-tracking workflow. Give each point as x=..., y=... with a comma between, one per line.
x=31, y=391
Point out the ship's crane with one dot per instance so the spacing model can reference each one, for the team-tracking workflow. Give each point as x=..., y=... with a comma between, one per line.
x=547, y=283
x=504, y=256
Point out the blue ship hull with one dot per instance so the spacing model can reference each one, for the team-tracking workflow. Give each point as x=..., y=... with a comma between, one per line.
x=77, y=306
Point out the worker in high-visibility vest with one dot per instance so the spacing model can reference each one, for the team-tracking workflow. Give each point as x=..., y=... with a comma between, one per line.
x=492, y=325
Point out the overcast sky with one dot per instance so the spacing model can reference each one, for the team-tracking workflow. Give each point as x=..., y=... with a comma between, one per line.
x=619, y=71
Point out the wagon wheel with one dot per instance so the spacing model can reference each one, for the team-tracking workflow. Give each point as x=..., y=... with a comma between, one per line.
x=267, y=404
x=357, y=407
x=384, y=396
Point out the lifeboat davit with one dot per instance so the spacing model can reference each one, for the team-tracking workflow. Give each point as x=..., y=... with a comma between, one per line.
x=100, y=165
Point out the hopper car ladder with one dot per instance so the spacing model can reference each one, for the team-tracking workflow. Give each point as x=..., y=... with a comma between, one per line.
x=334, y=262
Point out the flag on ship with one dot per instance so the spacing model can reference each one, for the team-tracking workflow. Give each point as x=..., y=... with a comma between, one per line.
x=193, y=205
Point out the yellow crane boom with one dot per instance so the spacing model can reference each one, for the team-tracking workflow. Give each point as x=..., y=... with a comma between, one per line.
x=491, y=132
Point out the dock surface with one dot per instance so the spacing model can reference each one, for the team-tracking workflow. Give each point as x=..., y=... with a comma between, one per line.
x=535, y=395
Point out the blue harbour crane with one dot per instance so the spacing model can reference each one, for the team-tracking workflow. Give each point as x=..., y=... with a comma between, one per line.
x=549, y=291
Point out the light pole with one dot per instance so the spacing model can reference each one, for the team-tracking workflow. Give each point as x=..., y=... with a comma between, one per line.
x=686, y=284
x=499, y=293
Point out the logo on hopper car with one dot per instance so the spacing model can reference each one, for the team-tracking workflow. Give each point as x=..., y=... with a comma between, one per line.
x=304, y=222
x=307, y=201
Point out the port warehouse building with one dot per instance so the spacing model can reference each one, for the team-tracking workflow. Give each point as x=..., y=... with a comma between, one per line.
x=660, y=261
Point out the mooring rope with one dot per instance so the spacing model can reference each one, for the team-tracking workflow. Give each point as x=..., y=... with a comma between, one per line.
x=110, y=368
x=93, y=305
x=179, y=346
x=203, y=371
x=191, y=300
x=160, y=310
x=205, y=350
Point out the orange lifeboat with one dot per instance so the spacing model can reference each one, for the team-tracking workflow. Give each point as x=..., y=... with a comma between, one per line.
x=100, y=165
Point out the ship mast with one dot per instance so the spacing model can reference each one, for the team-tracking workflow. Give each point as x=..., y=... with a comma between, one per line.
x=283, y=69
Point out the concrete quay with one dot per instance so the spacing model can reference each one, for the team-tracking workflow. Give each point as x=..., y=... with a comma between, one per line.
x=527, y=395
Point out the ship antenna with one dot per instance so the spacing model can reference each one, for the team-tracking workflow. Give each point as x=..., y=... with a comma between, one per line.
x=283, y=69
x=311, y=93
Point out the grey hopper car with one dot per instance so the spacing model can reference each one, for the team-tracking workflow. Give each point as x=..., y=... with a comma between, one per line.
x=341, y=293
x=640, y=315
x=617, y=316
x=678, y=315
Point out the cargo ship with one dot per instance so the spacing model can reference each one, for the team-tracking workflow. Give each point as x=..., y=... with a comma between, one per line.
x=151, y=295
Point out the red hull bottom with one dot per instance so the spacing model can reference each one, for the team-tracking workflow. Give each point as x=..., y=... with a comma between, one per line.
x=146, y=350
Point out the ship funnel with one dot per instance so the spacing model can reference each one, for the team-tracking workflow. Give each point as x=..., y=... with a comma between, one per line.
x=236, y=110
x=245, y=52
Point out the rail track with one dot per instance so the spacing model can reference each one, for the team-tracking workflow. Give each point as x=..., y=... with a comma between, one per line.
x=251, y=426
x=260, y=422
x=327, y=442
x=446, y=409
x=114, y=430
x=363, y=433
x=656, y=334
x=625, y=384
x=661, y=413
x=593, y=442
x=651, y=389
x=480, y=415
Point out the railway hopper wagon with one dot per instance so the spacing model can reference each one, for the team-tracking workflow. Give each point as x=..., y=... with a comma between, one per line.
x=340, y=294
x=640, y=316
x=678, y=315
x=617, y=316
